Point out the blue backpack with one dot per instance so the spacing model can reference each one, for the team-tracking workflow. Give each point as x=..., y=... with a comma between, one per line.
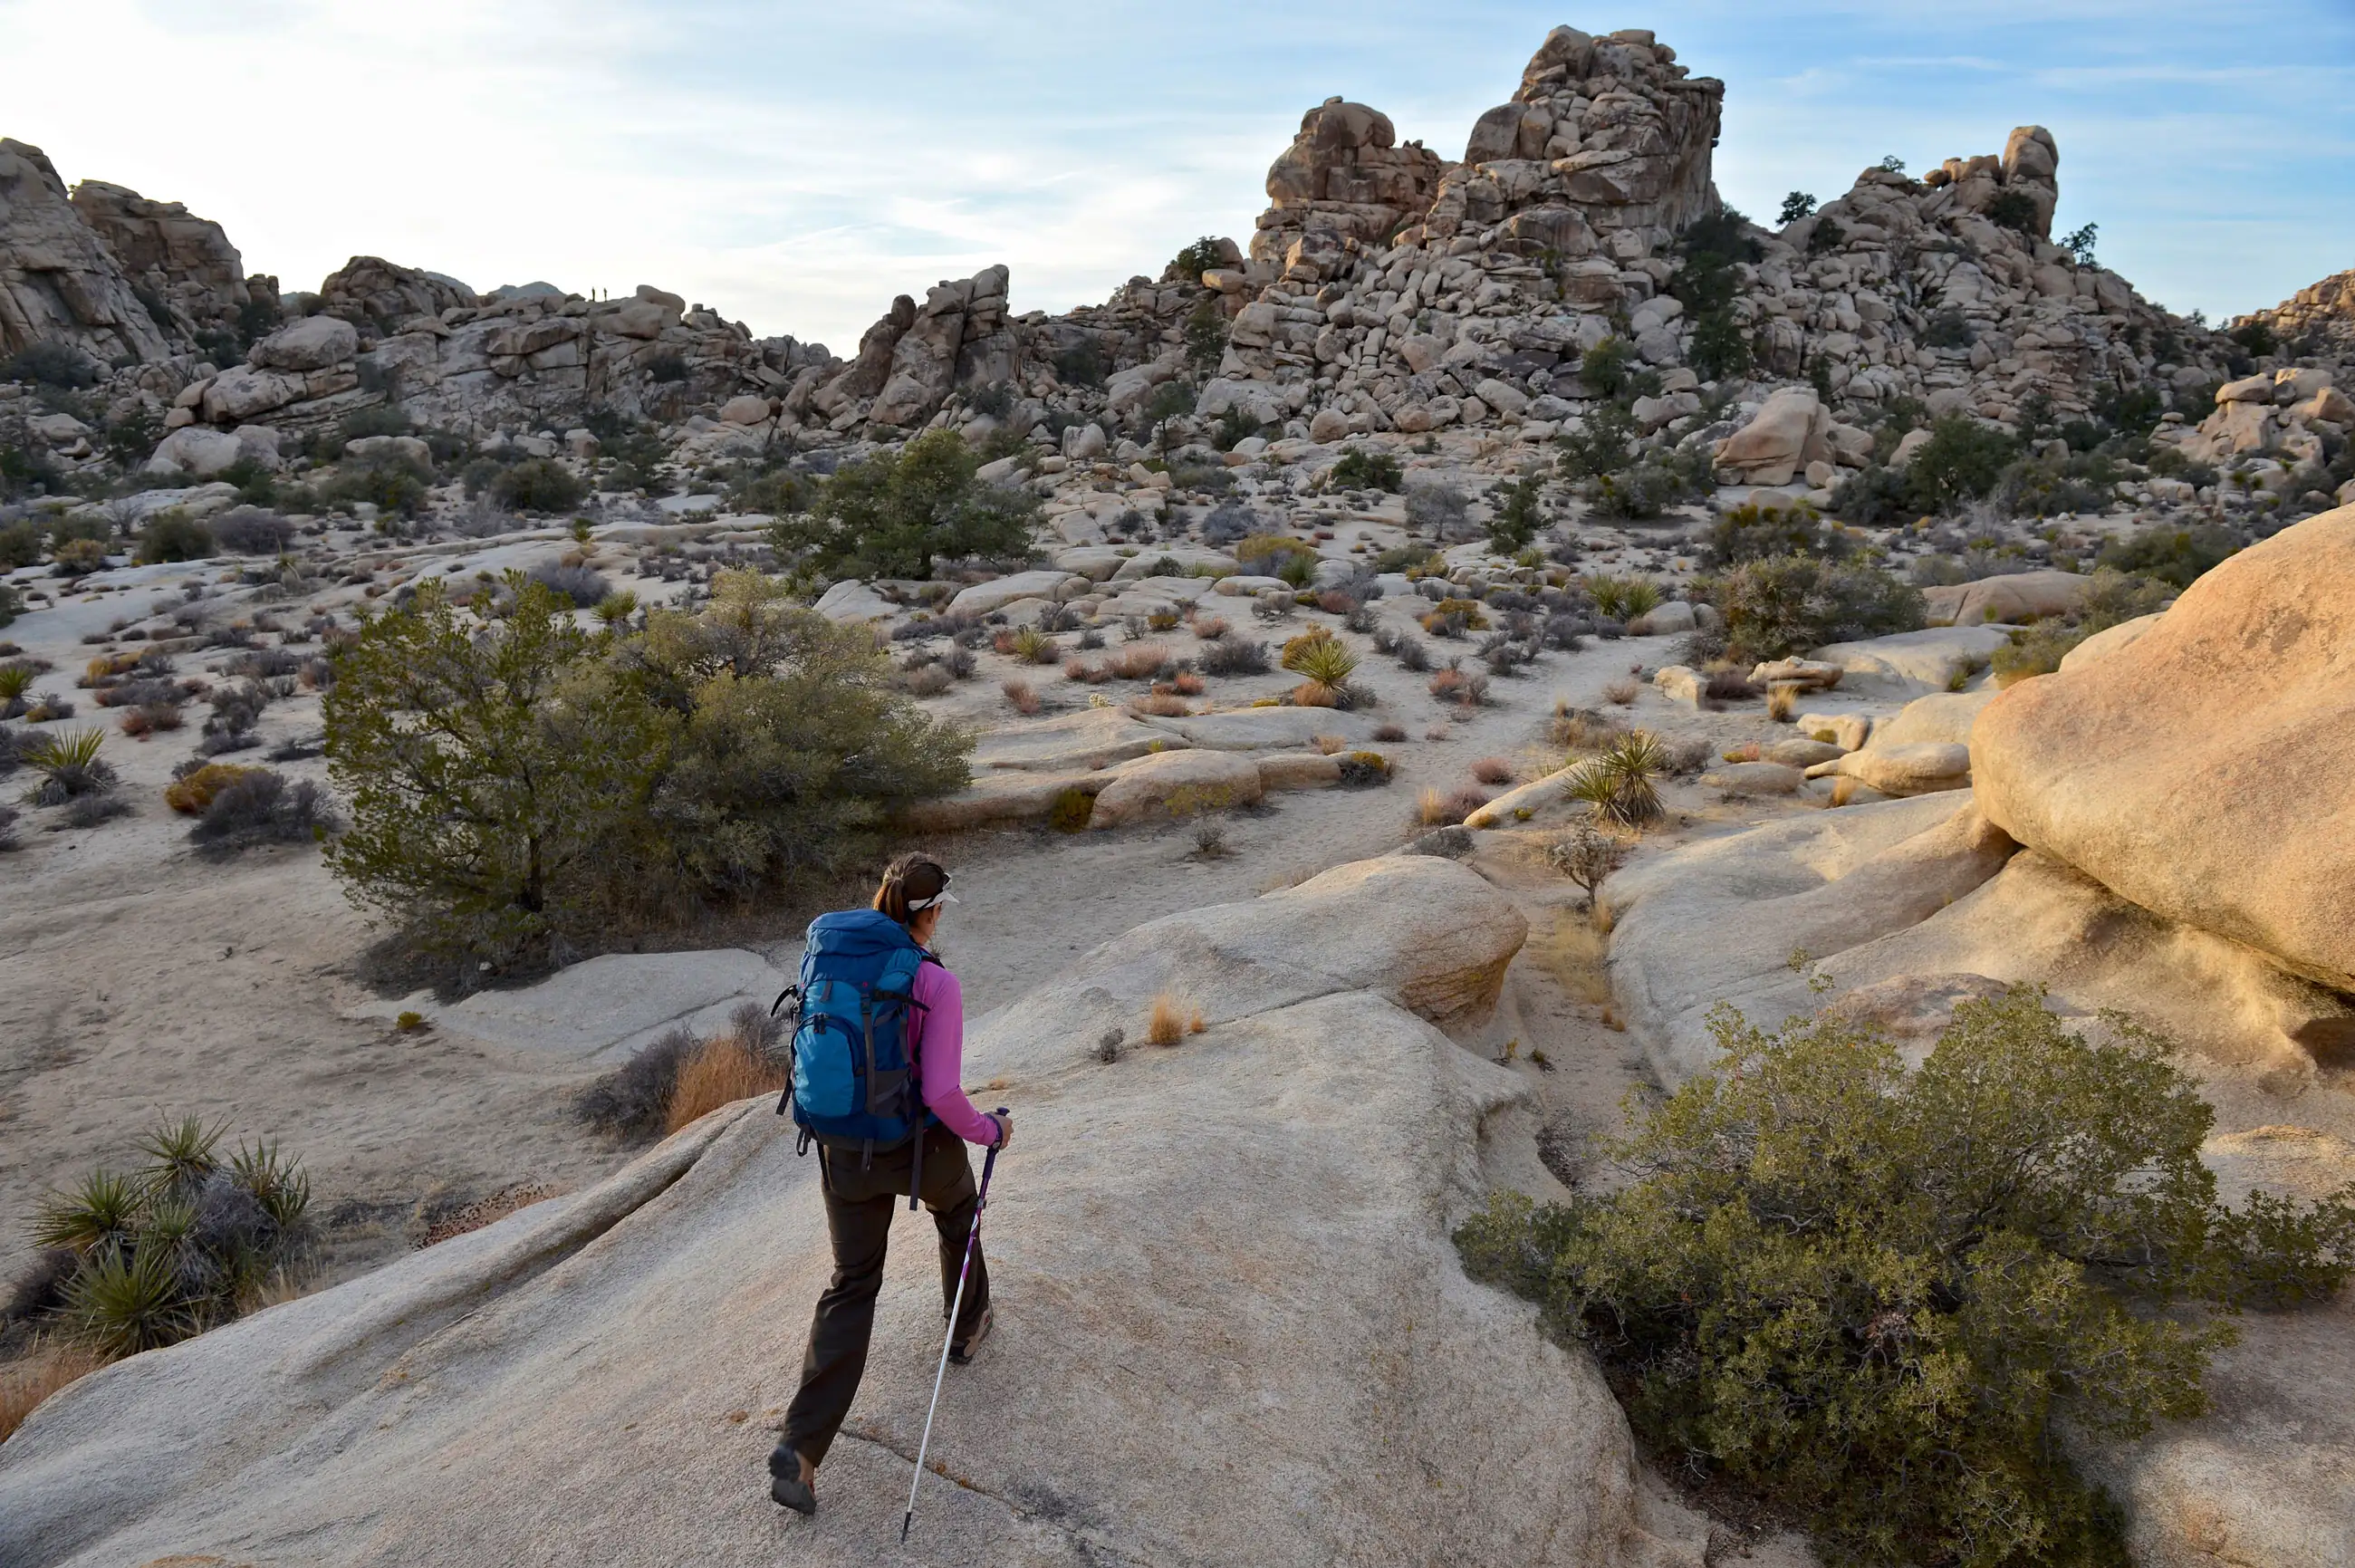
x=854, y=1064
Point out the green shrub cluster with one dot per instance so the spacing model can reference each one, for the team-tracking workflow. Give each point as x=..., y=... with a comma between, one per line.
x=894, y=514
x=1359, y=469
x=1875, y=1298
x=519, y=788
x=1706, y=279
x=1758, y=530
x=2111, y=598
x=190, y=1240
x=1786, y=604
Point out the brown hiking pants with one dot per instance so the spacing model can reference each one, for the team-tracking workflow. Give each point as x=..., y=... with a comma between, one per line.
x=858, y=1207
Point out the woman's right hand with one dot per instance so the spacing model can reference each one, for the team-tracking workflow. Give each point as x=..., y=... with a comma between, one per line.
x=1004, y=1120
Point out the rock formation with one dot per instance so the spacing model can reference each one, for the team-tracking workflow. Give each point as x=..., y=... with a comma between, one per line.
x=2198, y=772
x=1344, y=184
x=171, y=256
x=2318, y=318
x=59, y=282
x=1199, y=1355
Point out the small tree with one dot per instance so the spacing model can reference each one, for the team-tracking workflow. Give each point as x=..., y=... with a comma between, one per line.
x=1587, y=856
x=893, y=514
x=489, y=772
x=1519, y=516
x=1795, y=206
x=1875, y=1296
x=1786, y=604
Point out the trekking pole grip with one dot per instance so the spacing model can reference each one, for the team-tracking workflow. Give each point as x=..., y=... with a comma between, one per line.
x=989, y=1161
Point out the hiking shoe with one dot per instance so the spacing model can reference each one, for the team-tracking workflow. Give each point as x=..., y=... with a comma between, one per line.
x=786, y=1485
x=961, y=1352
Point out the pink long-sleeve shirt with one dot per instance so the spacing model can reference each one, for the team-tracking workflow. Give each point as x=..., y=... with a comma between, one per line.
x=940, y=1055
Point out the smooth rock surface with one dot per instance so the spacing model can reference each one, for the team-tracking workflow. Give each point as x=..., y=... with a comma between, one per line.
x=2202, y=770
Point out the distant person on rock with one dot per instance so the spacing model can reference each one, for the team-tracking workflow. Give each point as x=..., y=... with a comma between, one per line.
x=882, y=1021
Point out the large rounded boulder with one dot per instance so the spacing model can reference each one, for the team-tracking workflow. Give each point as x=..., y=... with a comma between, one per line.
x=2206, y=771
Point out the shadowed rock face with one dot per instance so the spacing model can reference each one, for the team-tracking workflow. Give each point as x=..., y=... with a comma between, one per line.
x=59, y=282
x=185, y=260
x=1229, y=1320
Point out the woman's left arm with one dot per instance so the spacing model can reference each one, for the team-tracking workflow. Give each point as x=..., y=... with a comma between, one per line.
x=941, y=1057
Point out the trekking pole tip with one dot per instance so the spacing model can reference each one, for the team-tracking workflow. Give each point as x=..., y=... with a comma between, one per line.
x=905, y=1521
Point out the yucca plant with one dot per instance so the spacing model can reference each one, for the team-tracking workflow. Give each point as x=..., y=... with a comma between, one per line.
x=16, y=679
x=1618, y=784
x=616, y=607
x=98, y=1216
x=1323, y=660
x=278, y=1184
x=180, y=1156
x=125, y=1303
x=1034, y=646
x=69, y=766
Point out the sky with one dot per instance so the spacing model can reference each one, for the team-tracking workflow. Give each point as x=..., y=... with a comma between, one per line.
x=795, y=164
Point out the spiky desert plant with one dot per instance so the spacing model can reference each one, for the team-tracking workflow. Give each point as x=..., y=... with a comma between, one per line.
x=1032, y=646
x=1325, y=661
x=97, y=1216
x=16, y=679
x=125, y=1303
x=1618, y=785
x=180, y=1156
x=278, y=1183
x=69, y=765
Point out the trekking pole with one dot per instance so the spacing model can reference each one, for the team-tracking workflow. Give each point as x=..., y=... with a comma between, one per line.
x=965, y=1270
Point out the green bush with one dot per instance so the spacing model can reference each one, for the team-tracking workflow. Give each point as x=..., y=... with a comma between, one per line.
x=1606, y=367
x=1519, y=516
x=2013, y=210
x=1795, y=206
x=519, y=789
x=192, y=1240
x=1358, y=469
x=12, y=605
x=1171, y=400
x=1201, y=256
x=21, y=544
x=1759, y=532
x=893, y=514
x=2111, y=598
x=1961, y=461
x=173, y=535
x=1786, y=604
x=51, y=364
x=538, y=485
x=2171, y=555
x=1875, y=1298
x=1206, y=336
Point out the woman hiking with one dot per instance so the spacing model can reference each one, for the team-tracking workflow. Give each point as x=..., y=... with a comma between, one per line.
x=860, y=1180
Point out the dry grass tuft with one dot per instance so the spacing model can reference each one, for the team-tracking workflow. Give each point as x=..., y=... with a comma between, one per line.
x=50, y=1368
x=1493, y=770
x=1025, y=700
x=1621, y=692
x=1209, y=628
x=1139, y=661
x=1782, y=702
x=1172, y=1021
x=728, y=1069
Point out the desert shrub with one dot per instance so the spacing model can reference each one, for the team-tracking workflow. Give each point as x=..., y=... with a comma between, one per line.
x=748, y=1058
x=89, y=810
x=190, y=1240
x=1753, y=531
x=1460, y=687
x=2111, y=598
x=518, y=788
x=1493, y=770
x=2013, y=210
x=259, y=807
x=250, y=530
x=1230, y=655
x=1022, y=697
x=2179, y=556
x=1620, y=784
x=1361, y=770
x=191, y=793
x=1948, y=328
x=69, y=766
x=1960, y=461
x=1621, y=598
x=634, y=1099
x=583, y=585
x=1874, y=1296
x=1786, y=604
x=173, y=535
x=49, y=363
x=1171, y=1019
x=538, y=485
x=1432, y=505
x=1606, y=367
x=893, y=514
x=1587, y=856
x=1519, y=516
x=1358, y=469
x=390, y=484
